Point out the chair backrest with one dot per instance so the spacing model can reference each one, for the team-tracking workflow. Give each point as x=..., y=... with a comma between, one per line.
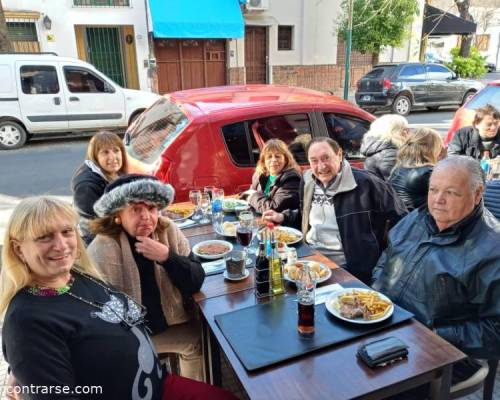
x=491, y=197
x=484, y=377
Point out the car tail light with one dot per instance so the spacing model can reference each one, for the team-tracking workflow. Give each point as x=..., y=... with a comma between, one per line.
x=386, y=83
x=358, y=85
x=163, y=169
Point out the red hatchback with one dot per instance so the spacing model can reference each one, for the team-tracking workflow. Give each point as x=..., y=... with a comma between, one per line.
x=465, y=114
x=213, y=136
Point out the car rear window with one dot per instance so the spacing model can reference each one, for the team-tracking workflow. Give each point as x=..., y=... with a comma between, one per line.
x=489, y=95
x=380, y=72
x=155, y=130
x=348, y=132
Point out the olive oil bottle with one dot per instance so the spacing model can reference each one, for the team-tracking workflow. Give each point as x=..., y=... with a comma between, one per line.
x=275, y=267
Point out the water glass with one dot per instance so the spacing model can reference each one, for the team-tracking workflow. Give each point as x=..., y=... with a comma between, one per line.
x=217, y=199
x=246, y=219
x=195, y=198
x=205, y=206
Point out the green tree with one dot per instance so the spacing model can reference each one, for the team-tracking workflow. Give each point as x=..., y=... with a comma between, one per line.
x=5, y=44
x=378, y=23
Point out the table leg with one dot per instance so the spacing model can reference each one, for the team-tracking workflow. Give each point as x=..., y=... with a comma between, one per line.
x=211, y=353
x=440, y=388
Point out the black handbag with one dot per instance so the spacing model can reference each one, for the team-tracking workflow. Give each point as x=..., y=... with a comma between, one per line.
x=383, y=351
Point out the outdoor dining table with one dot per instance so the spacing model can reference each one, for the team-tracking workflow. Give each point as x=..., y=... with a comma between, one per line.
x=333, y=372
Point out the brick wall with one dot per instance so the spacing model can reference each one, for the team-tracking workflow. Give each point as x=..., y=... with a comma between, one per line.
x=236, y=76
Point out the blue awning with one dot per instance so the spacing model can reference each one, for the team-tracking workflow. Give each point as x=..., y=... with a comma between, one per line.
x=197, y=19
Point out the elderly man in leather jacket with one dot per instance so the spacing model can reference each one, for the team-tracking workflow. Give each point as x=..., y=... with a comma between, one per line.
x=443, y=261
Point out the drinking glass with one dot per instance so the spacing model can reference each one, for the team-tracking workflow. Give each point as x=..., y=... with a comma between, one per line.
x=209, y=190
x=195, y=198
x=255, y=230
x=217, y=199
x=205, y=205
x=244, y=233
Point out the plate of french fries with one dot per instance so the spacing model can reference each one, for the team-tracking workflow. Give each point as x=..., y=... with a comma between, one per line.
x=178, y=214
x=286, y=235
x=319, y=272
x=360, y=306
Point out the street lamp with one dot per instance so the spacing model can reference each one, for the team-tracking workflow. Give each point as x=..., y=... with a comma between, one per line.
x=47, y=22
x=348, y=46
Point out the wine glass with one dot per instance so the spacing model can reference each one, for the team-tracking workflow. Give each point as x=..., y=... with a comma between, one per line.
x=244, y=232
x=195, y=198
x=255, y=229
x=205, y=205
x=209, y=190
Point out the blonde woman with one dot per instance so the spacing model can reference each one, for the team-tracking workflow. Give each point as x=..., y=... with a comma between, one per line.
x=414, y=164
x=276, y=181
x=65, y=327
x=106, y=160
x=381, y=143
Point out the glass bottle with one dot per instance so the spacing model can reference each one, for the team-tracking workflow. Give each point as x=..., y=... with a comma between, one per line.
x=261, y=272
x=306, y=287
x=275, y=267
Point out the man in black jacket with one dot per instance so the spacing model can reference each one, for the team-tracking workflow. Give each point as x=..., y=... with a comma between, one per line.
x=344, y=212
x=443, y=261
x=481, y=140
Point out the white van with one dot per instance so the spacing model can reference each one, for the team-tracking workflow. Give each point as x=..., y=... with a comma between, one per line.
x=44, y=93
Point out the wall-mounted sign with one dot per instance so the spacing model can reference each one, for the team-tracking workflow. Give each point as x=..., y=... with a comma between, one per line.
x=51, y=38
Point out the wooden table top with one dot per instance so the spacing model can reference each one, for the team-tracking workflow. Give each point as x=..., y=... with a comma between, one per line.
x=331, y=373
x=334, y=372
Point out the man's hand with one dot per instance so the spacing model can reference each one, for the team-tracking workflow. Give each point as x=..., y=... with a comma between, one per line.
x=273, y=216
x=152, y=249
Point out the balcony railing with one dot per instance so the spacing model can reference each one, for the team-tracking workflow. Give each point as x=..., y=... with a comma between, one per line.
x=101, y=3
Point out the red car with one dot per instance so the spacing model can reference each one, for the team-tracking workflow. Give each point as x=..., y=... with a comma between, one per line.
x=465, y=114
x=213, y=136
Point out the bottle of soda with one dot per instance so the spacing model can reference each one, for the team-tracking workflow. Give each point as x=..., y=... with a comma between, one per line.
x=275, y=267
x=261, y=272
x=306, y=286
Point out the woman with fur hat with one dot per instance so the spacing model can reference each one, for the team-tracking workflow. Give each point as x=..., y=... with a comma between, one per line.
x=147, y=256
x=106, y=160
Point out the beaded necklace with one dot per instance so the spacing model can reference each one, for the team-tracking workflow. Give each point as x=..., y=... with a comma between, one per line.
x=48, y=291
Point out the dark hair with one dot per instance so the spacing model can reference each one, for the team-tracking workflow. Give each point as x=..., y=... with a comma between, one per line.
x=487, y=110
x=333, y=144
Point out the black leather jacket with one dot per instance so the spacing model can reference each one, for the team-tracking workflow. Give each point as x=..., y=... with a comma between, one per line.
x=411, y=185
x=450, y=280
x=380, y=156
x=468, y=142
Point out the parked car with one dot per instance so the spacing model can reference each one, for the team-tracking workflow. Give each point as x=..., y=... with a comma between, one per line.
x=491, y=67
x=44, y=93
x=402, y=86
x=213, y=136
x=465, y=114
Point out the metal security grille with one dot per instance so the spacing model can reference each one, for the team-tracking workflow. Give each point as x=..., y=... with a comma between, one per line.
x=101, y=3
x=105, y=53
x=23, y=36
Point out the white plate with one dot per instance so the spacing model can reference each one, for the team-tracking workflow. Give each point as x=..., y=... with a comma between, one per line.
x=320, y=280
x=245, y=275
x=179, y=219
x=233, y=205
x=224, y=233
x=214, y=256
x=296, y=232
x=332, y=306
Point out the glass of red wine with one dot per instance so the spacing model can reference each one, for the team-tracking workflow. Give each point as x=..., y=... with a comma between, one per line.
x=244, y=233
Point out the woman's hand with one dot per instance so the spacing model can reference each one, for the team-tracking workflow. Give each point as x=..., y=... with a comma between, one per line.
x=273, y=216
x=11, y=388
x=152, y=249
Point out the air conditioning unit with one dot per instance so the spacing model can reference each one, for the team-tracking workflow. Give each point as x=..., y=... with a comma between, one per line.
x=257, y=5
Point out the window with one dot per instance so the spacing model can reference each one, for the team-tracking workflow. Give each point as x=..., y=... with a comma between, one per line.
x=285, y=34
x=438, y=72
x=489, y=95
x=348, y=132
x=22, y=31
x=293, y=129
x=155, y=130
x=80, y=80
x=482, y=42
x=380, y=72
x=39, y=79
x=413, y=72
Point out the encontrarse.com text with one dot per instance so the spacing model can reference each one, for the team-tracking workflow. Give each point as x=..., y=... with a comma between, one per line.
x=53, y=389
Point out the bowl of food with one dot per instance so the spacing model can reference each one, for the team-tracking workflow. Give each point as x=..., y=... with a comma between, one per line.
x=212, y=249
x=319, y=272
x=360, y=306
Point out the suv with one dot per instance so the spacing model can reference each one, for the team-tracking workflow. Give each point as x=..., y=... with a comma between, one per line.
x=400, y=87
x=213, y=136
x=44, y=93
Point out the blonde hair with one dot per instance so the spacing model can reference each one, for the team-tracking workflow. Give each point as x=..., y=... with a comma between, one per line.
x=423, y=147
x=390, y=128
x=276, y=146
x=106, y=139
x=33, y=217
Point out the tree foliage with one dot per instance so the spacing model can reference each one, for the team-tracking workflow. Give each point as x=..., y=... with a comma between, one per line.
x=467, y=67
x=378, y=23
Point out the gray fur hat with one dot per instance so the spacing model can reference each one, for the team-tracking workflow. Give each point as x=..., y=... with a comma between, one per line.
x=133, y=188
